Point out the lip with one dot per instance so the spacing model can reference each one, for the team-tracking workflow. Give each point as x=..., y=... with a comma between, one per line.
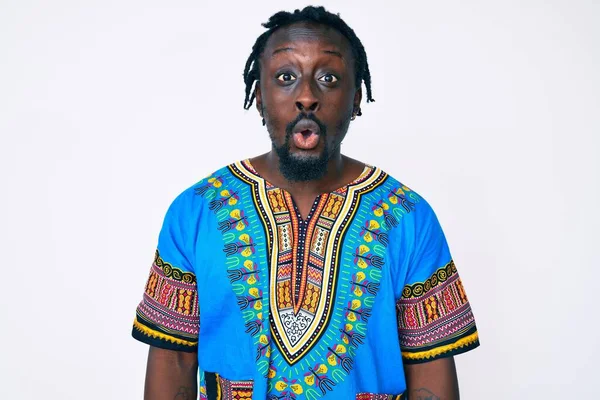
x=306, y=125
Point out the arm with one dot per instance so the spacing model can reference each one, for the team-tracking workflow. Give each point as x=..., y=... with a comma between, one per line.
x=435, y=320
x=434, y=380
x=171, y=375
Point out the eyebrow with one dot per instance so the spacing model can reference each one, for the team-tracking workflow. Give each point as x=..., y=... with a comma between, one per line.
x=281, y=50
x=284, y=49
x=334, y=53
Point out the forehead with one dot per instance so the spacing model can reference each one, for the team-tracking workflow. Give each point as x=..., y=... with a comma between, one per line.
x=320, y=37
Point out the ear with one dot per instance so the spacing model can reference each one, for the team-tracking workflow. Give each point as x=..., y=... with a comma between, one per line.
x=357, y=100
x=258, y=98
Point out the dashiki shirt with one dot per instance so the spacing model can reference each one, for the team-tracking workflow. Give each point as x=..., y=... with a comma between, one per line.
x=279, y=307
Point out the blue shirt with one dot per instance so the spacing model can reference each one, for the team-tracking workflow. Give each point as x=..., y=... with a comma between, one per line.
x=278, y=306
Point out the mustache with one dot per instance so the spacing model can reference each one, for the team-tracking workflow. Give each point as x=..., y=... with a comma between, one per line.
x=300, y=117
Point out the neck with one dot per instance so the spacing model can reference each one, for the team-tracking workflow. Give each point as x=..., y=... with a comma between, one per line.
x=337, y=167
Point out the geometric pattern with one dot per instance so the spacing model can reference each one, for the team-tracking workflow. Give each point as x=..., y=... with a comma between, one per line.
x=373, y=396
x=435, y=318
x=303, y=278
x=307, y=258
x=167, y=316
x=234, y=390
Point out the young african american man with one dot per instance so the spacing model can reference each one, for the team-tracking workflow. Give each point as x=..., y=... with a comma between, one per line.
x=302, y=273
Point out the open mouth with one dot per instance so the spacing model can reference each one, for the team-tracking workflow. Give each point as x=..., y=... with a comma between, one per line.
x=306, y=134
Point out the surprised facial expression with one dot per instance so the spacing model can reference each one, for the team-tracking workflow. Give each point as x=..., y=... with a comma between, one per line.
x=307, y=92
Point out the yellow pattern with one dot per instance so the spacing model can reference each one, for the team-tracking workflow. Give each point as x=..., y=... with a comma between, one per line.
x=159, y=335
x=472, y=338
x=333, y=207
x=216, y=183
x=276, y=200
x=219, y=396
x=311, y=297
x=341, y=206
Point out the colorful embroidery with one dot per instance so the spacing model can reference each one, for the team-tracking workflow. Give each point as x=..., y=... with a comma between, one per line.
x=398, y=196
x=168, y=314
x=319, y=276
x=219, y=388
x=234, y=390
x=307, y=292
x=305, y=268
x=205, y=185
x=244, y=272
x=435, y=318
x=202, y=386
x=421, y=288
x=317, y=376
x=371, y=231
x=174, y=273
x=300, y=276
x=373, y=396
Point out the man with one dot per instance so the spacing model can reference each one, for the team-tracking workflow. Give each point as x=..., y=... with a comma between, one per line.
x=302, y=273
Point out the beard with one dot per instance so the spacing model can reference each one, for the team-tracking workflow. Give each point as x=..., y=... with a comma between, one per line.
x=301, y=167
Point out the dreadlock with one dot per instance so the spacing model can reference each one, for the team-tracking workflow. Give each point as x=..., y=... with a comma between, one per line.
x=313, y=14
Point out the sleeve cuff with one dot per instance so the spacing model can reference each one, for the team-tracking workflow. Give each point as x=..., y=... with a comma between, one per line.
x=168, y=315
x=147, y=333
x=450, y=348
x=435, y=318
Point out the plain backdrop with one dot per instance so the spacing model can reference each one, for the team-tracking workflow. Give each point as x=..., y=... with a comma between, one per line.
x=109, y=109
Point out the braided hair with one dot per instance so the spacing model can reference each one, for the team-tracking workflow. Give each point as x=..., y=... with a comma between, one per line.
x=311, y=14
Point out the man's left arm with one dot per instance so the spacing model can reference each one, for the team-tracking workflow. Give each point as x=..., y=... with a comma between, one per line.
x=433, y=380
x=435, y=320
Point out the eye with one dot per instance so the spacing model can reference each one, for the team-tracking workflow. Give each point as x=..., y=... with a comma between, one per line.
x=286, y=77
x=328, y=78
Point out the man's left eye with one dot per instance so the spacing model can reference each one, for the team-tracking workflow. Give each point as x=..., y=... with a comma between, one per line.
x=328, y=78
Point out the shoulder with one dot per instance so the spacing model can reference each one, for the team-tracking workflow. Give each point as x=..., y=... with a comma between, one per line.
x=192, y=199
x=402, y=200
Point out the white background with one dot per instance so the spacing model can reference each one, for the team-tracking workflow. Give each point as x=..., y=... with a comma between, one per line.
x=109, y=109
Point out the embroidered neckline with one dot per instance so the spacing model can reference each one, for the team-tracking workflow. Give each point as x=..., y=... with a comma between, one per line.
x=304, y=258
x=366, y=172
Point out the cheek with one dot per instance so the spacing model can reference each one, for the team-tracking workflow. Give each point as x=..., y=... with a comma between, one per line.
x=279, y=107
x=339, y=101
x=275, y=122
x=275, y=125
x=338, y=111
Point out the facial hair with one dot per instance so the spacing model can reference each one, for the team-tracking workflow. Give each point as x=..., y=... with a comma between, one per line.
x=302, y=168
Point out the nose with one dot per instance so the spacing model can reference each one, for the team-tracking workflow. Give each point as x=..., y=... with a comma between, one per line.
x=307, y=100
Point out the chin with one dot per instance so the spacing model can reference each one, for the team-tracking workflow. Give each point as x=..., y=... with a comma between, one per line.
x=307, y=155
x=303, y=165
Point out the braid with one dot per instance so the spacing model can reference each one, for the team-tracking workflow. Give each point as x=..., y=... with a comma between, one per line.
x=251, y=70
x=314, y=14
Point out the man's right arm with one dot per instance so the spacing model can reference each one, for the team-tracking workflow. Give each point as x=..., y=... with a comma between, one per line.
x=167, y=318
x=171, y=375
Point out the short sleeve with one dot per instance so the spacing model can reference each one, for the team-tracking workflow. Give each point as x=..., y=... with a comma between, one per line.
x=435, y=319
x=168, y=315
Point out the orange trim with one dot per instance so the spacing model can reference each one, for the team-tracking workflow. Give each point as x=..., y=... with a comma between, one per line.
x=294, y=219
x=310, y=230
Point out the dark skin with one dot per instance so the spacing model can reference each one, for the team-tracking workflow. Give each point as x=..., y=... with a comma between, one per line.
x=308, y=68
x=304, y=68
x=434, y=380
x=171, y=375
x=296, y=69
